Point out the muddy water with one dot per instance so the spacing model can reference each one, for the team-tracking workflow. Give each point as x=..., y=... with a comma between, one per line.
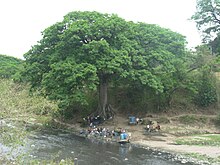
x=58, y=145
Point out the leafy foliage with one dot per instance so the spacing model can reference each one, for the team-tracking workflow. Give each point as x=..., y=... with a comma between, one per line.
x=207, y=17
x=206, y=89
x=87, y=50
x=205, y=92
x=15, y=100
x=217, y=120
x=9, y=66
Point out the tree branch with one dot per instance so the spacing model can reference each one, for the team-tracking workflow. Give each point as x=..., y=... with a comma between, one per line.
x=214, y=15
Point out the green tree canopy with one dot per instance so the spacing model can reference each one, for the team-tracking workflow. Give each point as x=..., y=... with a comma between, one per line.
x=207, y=17
x=89, y=50
x=9, y=66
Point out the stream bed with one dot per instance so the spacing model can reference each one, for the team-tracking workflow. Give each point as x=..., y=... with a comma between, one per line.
x=52, y=144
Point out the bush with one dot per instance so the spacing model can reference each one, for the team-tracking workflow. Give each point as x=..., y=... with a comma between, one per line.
x=206, y=91
x=163, y=120
x=217, y=120
x=68, y=110
x=187, y=119
x=9, y=66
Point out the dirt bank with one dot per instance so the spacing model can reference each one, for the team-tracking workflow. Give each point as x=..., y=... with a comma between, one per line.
x=166, y=137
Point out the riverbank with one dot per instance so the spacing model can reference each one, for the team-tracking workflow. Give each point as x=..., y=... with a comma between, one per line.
x=166, y=140
x=37, y=113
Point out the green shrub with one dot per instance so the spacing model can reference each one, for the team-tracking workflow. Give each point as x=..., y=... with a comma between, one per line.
x=16, y=101
x=163, y=120
x=206, y=91
x=217, y=120
x=9, y=66
x=187, y=119
x=69, y=111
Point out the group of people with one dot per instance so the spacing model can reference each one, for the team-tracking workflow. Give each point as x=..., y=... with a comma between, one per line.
x=119, y=134
x=93, y=120
x=103, y=132
x=152, y=126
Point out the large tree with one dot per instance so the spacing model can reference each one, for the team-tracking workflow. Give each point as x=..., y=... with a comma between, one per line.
x=207, y=17
x=89, y=50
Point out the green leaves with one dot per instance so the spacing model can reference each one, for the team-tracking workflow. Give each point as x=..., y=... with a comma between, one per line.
x=206, y=94
x=207, y=17
x=87, y=48
x=66, y=79
x=10, y=66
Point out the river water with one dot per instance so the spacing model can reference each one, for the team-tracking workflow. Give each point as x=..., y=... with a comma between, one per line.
x=62, y=145
x=58, y=145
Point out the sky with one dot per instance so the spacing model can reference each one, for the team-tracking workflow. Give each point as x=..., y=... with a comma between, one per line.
x=22, y=21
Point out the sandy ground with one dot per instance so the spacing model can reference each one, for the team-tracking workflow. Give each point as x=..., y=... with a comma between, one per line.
x=162, y=140
x=168, y=145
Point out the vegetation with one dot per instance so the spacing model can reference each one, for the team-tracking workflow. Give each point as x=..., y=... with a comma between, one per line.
x=204, y=158
x=187, y=119
x=17, y=105
x=29, y=113
x=37, y=162
x=206, y=92
x=217, y=122
x=19, y=110
x=10, y=66
x=89, y=52
x=91, y=62
x=207, y=17
x=209, y=139
x=16, y=101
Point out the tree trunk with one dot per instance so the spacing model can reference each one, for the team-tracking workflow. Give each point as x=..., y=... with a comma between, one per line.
x=103, y=96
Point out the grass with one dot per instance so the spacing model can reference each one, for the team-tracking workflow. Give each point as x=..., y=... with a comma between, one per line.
x=163, y=120
x=217, y=120
x=201, y=140
x=192, y=119
x=4, y=161
x=16, y=102
x=204, y=158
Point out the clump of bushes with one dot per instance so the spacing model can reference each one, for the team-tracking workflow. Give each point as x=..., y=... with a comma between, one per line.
x=217, y=120
x=187, y=119
x=206, y=91
x=163, y=120
x=192, y=119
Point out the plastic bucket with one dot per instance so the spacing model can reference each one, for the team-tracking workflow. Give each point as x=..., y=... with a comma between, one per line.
x=122, y=136
x=132, y=119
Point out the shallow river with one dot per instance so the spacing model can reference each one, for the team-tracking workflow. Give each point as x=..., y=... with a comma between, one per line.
x=58, y=145
x=61, y=145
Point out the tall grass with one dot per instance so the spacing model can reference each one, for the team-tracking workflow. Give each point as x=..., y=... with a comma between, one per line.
x=15, y=102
